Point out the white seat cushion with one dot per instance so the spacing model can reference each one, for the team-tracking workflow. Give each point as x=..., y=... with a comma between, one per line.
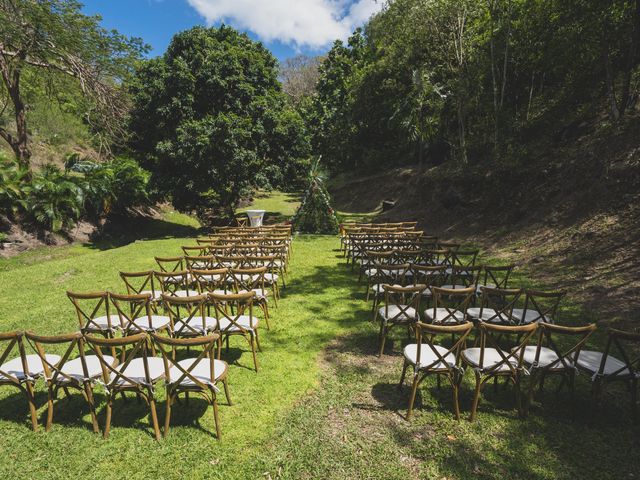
x=195, y=323
x=491, y=359
x=244, y=321
x=442, y=315
x=186, y=293
x=377, y=288
x=99, y=324
x=454, y=287
x=202, y=371
x=147, y=324
x=34, y=363
x=271, y=277
x=590, y=361
x=73, y=368
x=529, y=317
x=260, y=294
x=135, y=371
x=489, y=314
x=154, y=295
x=394, y=313
x=547, y=357
x=427, y=356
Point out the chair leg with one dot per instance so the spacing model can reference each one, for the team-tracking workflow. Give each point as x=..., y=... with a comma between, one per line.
x=383, y=338
x=154, y=416
x=476, y=397
x=216, y=418
x=92, y=407
x=253, y=352
x=414, y=389
x=456, y=404
x=404, y=371
x=167, y=417
x=226, y=391
x=32, y=405
x=50, y=395
x=107, y=422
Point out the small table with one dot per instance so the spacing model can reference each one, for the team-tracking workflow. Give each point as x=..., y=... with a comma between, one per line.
x=255, y=217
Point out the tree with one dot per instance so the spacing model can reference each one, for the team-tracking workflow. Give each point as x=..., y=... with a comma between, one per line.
x=299, y=76
x=56, y=39
x=209, y=115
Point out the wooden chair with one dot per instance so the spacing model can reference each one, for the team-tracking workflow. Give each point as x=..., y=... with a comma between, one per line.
x=22, y=371
x=93, y=313
x=141, y=283
x=496, y=306
x=495, y=276
x=463, y=277
x=202, y=262
x=604, y=368
x=488, y=360
x=429, y=275
x=214, y=280
x=539, y=306
x=234, y=313
x=429, y=358
x=449, y=305
x=79, y=372
x=188, y=316
x=201, y=374
x=555, y=354
x=401, y=307
x=139, y=372
x=171, y=265
x=136, y=315
x=252, y=280
x=194, y=250
x=381, y=274
x=177, y=283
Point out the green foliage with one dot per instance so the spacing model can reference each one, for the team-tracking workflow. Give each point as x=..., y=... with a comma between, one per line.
x=12, y=187
x=209, y=115
x=55, y=200
x=315, y=214
x=468, y=80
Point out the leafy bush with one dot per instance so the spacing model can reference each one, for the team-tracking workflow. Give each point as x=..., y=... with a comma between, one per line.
x=56, y=200
x=13, y=187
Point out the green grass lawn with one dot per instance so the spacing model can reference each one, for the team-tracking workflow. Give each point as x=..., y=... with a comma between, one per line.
x=279, y=206
x=322, y=406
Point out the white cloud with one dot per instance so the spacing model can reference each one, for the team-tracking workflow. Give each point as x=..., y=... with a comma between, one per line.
x=300, y=23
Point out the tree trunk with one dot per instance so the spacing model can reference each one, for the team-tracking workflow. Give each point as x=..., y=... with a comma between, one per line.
x=19, y=142
x=625, y=98
x=614, y=111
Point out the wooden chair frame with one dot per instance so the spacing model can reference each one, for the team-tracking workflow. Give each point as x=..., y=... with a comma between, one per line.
x=396, y=296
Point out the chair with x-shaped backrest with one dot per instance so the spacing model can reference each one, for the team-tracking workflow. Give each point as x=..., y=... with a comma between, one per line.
x=449, y=306
x=438, y=256
x=136, y=314
x=202, y=262
x=94, y=314
x=427, y=357
x=141, y=283
x=213, y=280
x=252, y=280
x=178, y=283
x=384, y=274
x=539, y=306
x=273, y=274
x=463, y=276
x=23, y=370
x=75, y=369
x=199, y=374
x=371, y=259
x=189, y=316
x=401, y=307
x=555, y=354
x=138, y=372
x=174, y=265
x=495, y=276
x=429, y=275
x=619, y=362
x=496, y=306
x=488, y=360
x=194, y=250
x=234, y=313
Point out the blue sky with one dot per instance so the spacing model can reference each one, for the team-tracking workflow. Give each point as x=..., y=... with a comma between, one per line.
x=286, y=27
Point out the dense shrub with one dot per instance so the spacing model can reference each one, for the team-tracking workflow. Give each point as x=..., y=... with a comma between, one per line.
x=12, y=187
x=55, y=200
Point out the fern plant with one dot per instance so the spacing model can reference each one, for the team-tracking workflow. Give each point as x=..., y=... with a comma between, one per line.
x=13, y=187
x=56, y=200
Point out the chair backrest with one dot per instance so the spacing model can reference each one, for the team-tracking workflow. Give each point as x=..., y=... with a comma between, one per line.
x=56, y=372
x=626, y=346
x=229, y=261
x=138, y=282
x=572, y=339
x=91, y=306
x=497, y=276
x=465, y=276
x=195, y=250
x=114, y=378
x=451, y=246
x=211, y=279
x=172, y=281
x=542, y=306
x=186, y=314
x=464, y=258
x=402, y=300
x=231, y=307
x=131, y=307
x=170, y=264
x=11, y=345
x=497, y=304
x=393, y=274
x=428, y=334
x=492, y=336
x=200, y=262
x=184, y=369
x=248, y=278
x=453, y=302
x=439, y=256
x=429, y=275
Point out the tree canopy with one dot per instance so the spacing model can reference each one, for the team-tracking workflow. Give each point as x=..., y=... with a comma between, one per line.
x=209, y=115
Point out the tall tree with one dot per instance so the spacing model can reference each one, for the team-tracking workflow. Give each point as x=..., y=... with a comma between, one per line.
x=56, y=38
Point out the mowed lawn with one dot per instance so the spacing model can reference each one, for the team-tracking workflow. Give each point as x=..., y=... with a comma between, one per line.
x=322, y=405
